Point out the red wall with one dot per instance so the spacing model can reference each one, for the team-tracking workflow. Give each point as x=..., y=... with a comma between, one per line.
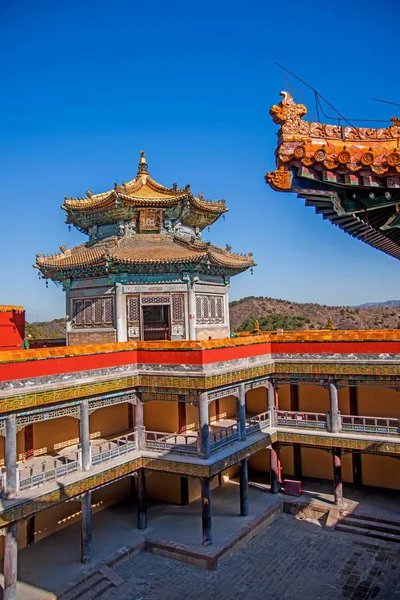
x=12, y=328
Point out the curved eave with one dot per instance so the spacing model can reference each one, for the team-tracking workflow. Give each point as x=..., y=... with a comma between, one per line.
x=362, y=227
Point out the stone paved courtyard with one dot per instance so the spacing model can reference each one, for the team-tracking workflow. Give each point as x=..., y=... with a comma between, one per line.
x=290, y=559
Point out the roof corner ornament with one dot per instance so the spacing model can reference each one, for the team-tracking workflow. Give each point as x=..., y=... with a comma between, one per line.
x=142, y=163
x=288, y=114
x=279, y=180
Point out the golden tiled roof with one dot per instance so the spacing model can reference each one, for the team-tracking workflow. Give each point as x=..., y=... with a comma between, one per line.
x=341, y=149
x=142, y=248
x=141, y=191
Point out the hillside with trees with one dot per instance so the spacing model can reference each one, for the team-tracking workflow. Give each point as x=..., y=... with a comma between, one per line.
x=273, y=313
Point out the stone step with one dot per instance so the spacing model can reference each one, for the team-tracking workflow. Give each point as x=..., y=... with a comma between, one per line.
x=378, y=535
x=103, y=586
x=372, y=518
x=371, y=525
x=89, y=589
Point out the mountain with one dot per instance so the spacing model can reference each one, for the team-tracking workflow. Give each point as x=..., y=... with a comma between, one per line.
x=375, y=304
x=46, y=329
x=273, y=313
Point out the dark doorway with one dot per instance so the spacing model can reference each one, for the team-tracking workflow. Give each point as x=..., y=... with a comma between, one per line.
x=156, y=322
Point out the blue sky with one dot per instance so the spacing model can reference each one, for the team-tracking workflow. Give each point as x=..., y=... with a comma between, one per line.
x=87, y=84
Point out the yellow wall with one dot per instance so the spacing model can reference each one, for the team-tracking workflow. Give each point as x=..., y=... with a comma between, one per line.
x=344, y=401
x=227, y=408
x=112, y=420
x=316, y=463
x=284, y=397
x=257, y=401
x=260, y=461
x=230, y=473
x=55, y=434
x=380, y=471
x=163, y=486
x=313, y=398
x=378, y=402
x=161, y=416
x=56, y=518
x=192, y=417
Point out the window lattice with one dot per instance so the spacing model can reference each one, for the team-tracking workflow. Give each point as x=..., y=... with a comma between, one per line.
x=108, y=311
x=78, y=312
x=177, y=308
x=133, y=309
x=209, y=309
x=220, y=307
x=156, y=299
x=87, y=313
x=96, y=312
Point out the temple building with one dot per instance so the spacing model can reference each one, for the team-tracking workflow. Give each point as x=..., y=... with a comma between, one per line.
x=350, y=175
x=145, y=273
x=161, y=421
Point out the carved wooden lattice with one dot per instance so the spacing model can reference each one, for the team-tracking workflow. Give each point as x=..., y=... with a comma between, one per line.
x=133, y=309
x=156, y=299
x=209, y=309
x=178, y=314
x=96, y=312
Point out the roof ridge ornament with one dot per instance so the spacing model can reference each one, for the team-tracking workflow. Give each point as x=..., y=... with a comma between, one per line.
x=142, y=163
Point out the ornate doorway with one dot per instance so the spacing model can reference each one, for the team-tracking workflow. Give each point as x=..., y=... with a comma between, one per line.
x=156, y=322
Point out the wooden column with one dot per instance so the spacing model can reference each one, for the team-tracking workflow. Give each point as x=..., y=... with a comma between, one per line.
x=182, y=416
x=10, y=457
x=184, y=491
x=337, y=475
x=355, y=456
x=204, y=434
x=334, y=416
x=217, y=413
x=295, y=407
x=206, y=510
x=28, y=441
x=274, y=469
x=139, y=423
x=353, y=400
x=141, y=500
x=294, y=397
x=86, y=528
x=10, y=562
x=30, y=531
x=241, y=409
x=131, y=418
x=84, y=436
x=244, y=487
x=298, y=470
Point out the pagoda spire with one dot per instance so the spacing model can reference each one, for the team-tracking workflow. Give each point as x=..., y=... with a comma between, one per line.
x=142, y=163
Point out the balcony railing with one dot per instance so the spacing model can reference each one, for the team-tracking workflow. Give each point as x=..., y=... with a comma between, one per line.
x=39, y=474
x=108, y=450
x=258, y=423
x=181, y=443
x=224, y=436
x=377, y=425
x=301, y=420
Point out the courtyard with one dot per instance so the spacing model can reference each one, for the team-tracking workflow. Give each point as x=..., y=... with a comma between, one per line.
x=289, y=559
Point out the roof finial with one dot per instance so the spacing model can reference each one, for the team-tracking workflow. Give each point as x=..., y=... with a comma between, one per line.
x=142, y=163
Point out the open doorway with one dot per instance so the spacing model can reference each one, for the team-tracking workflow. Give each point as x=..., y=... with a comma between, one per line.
x=156, y=322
